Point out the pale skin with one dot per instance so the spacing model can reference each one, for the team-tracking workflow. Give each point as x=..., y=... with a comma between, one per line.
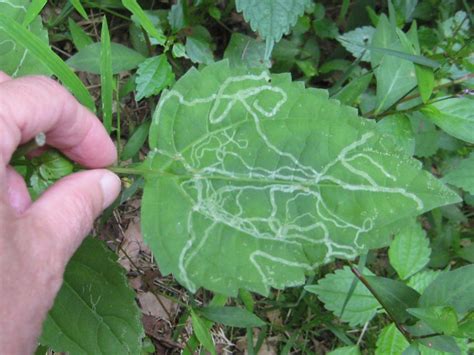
x=38, y=238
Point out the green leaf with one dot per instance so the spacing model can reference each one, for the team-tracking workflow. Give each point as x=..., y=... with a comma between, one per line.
x=271, y=18
x=410, y=251
x=198, y=46
x=40, y=50
x=202, y=333
x=80, y=9
x=136, y=141
x=391, y=341
x=176, y=17
x=357, y=41
x=80, y=38
x=332, y=291
x=455, y=116
x=420, y=281
x=247, y=50
x=254, y=180
x=15, y=59
x=153, y=75
x=426, y=81
x=399, y=128
x=349, y=94
x=96, y=299
x=33, y=11
x=441, y=343
x=463, y=175
x=394, y=296
x=395, y=76
x=453, y=288
x=427, y=137
x=442, y=319
x=106, y=77
x=144, y=20
x=232, y=316
x=346, y=350
x=466, y=327
x=88, y=58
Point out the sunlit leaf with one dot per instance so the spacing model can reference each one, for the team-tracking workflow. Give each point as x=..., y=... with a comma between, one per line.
x=153, y=75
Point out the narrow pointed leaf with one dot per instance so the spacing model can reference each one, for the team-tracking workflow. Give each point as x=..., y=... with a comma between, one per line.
x=106, y=77
x=33, y=11
x=203, y=333
x=79, y=37
x=232, y=316
x=134, y=7
x=153, y=75
x=253, y=181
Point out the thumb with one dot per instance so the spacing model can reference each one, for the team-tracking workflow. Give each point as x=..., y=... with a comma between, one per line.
x=65, y=213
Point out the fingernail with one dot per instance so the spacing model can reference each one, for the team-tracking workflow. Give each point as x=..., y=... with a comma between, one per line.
x=110, y=185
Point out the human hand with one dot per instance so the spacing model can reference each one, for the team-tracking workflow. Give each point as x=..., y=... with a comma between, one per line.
x=37, y=239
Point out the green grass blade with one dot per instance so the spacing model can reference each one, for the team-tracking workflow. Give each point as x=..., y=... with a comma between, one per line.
x=33, y=10
x=106, y=77
x=360, y=267
x=79, y=8
x=145, y=22
x=417, y=59
x=42, y=51
x=79, y=37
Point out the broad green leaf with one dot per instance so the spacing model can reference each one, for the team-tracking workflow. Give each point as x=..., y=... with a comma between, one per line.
x=253, y=181
x=247, y=50
x=144, y=20
x=391, y=341
x=232, y=316
x=426, y=81
x=420, y=281
x=463, y=175
x=356, y=41
x=332, y=291
x=410, y=251
x=349, y=94
x=427, y=137
x=198, y=46
x=455, y=116
x=453, y=288
x=95, y=311
x=153, y=75
x=106, y=77
x=42, y=54
x=395, y=76
x=394, y=296
x=398, y=126
x=271, y=18
x=346, y=350
x=79, y=37
x=442, y=319
x=88, y=58
x=15, y=59
x=202, y=332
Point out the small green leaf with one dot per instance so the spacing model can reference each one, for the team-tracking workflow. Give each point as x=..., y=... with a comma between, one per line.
x=106, y=77
x=232, y=316
x=33, y=11
x=463, y=175
x=453, y=288
x=391, y=341
x=95, y=297
x=412, y=350
x=176, y=16
x=247, y=50
x=442, y=319
x=136, y=141
x=356, y=41
x=198, y=46
x=79, y=37
x=144, y=20
x=466, y=327
x=455, y=116
x=349, y=94
x=426, y=81
x=394, y=296
x=88, y=58
x=179, y=50
x=202, y=333
x=80, y=9
x=443, y=343
x=410, y=251
x=153, y=75
x=332, y=291
x=422, y=279
x=271, y=18
x=346, y=350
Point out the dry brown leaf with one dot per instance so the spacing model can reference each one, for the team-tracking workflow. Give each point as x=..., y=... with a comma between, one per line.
x=150, y=305
x=132, y=245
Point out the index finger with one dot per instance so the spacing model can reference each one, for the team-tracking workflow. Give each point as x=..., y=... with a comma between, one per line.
x=31, y=105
